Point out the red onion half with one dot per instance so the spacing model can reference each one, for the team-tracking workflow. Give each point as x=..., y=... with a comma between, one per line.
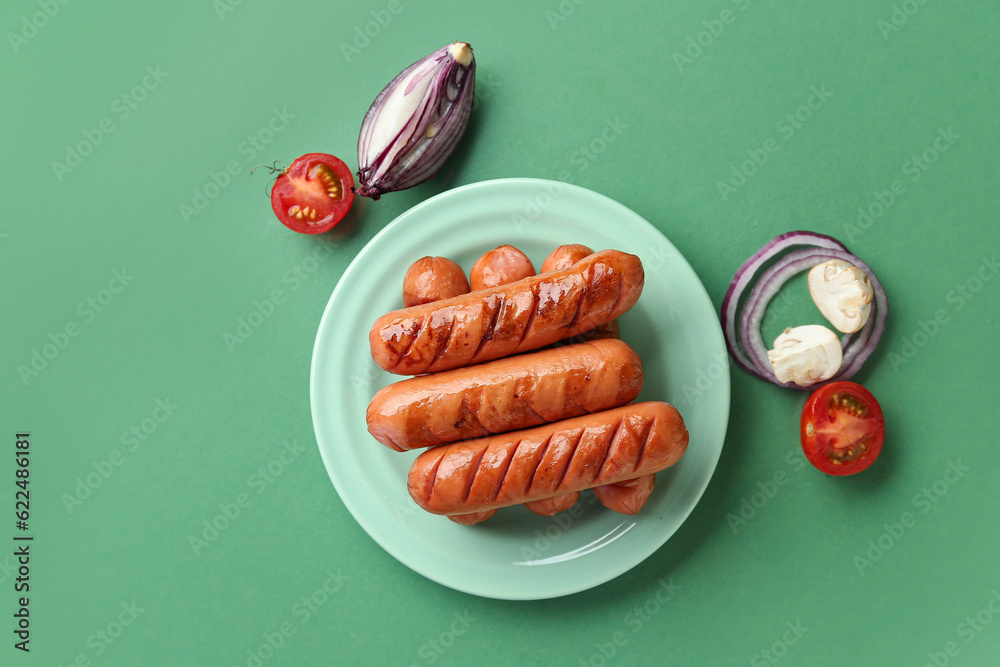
x=414, y=124
x=795, y=252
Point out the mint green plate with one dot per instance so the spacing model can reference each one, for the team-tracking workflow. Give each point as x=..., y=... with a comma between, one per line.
x=516, y=554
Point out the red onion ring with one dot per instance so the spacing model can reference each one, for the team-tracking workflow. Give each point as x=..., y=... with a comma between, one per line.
x=745, y=274
x=745, y=342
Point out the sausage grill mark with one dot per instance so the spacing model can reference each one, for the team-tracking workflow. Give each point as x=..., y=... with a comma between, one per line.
x=540, y=418
x=611, y=444
x=470, y=416
x=618, y=296
x=472, y=476
x=531, y=315
x=538, y=463
x=503, y=472
x=647, y=436
x=579, y=409
x=491, y=328
x=430, y=435
x=444, y=342
x=413, y=331
x=432, y=478
x=580, y=305
x=569, y=462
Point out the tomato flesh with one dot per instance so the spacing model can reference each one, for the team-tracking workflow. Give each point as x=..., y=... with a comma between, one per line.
x=313, y=194
x=842, y=428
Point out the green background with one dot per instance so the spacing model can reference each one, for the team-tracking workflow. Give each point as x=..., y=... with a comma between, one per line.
x=550, y=77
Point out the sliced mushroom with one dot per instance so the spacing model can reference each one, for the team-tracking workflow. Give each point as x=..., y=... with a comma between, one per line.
x=806, y=355
x=843, y=293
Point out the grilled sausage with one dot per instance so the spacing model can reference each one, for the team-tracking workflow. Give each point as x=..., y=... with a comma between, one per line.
x=565, y=457
x=432, y=279
x=505, y=264
x=565, y=256
x=500, y=321
x=505, y=394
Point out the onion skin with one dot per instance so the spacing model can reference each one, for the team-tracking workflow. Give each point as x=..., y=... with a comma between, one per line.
x=396, y=153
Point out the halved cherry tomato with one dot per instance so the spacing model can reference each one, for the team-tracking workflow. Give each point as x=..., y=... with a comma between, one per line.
x=842, y=428
x=313, y=194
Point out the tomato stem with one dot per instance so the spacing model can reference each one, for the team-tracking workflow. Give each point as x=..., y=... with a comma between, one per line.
x=271, y=168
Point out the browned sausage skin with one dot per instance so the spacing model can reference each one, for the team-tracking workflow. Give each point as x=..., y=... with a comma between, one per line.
x=505, y=394
x=431, y=279
x=500, y=321
x=503, y=265
x=565, y=457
